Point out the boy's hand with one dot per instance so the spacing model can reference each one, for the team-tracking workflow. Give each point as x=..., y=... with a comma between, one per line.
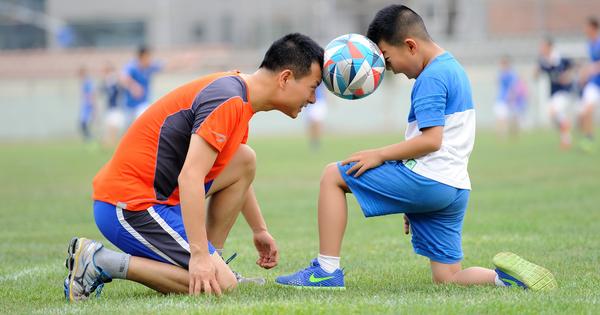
x=406, y=225
x=364, y=160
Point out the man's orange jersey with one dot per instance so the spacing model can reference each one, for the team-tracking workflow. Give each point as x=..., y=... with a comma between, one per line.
x=147, y=162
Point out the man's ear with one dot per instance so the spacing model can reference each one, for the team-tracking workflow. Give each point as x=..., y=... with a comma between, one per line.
x=284, y=77
x=412, y=45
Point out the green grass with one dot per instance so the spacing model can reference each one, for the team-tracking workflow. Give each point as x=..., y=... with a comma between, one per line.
x=528, y=197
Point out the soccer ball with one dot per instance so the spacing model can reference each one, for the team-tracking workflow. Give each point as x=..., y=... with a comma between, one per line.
x=353, y=66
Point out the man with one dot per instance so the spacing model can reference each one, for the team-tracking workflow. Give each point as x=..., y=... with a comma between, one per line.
x=190, y=145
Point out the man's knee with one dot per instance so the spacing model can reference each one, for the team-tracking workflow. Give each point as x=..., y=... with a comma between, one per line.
x=247, y=159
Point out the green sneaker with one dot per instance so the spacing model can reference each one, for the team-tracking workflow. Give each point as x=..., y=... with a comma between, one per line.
x=587, y=146
x=536, y=278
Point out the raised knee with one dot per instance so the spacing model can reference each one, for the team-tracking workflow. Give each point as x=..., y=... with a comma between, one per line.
x=248, y=159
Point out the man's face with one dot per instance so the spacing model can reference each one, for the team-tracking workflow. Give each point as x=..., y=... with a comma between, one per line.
x=294, y=94
x=400, y=59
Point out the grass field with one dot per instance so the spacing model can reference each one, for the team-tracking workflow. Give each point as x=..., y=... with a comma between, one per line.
x=528, y=197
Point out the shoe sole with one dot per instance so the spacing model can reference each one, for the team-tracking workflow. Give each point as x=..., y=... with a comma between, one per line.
x=75, y=251
x=69, y=265
x=302, y=287
x=535, y=277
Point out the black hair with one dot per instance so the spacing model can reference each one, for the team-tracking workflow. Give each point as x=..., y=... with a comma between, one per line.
x=294, y=51
x=593, y=22
x=142, y=50
x=394, y=23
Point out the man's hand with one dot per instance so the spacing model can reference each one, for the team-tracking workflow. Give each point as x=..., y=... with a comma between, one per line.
x=203, y=275
x=406, y=225
x=364, y=160
x=268, y=254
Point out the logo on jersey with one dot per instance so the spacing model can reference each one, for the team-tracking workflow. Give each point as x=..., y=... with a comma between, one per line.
x=410, y=164
x=219, y=136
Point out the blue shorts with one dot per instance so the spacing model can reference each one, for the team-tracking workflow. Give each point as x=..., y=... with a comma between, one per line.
x=156, y=233
x=435, y=210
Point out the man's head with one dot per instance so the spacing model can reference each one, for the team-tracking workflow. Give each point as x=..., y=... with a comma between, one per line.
x=143, y=55
x=296, y=62
x=546, y=47
x=400, y=32
x=591, y=28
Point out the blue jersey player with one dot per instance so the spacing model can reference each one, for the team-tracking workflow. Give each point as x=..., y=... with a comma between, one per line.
x=591, y=91
x=424, y=177
x=136, y=78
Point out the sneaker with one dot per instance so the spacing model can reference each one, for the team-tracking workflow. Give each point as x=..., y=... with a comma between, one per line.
x=314, y=277
x=514, y=270
x=84, y=276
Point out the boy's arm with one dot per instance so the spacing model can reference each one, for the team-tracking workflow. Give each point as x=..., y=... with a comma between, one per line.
x=198, y=163
x=264, y=242
x=430, y=140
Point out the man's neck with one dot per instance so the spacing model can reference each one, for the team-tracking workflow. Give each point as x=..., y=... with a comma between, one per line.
x=259, y=89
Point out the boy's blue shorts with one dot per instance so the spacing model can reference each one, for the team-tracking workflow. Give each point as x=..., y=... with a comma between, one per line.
x=435, y=210
x=156, y=233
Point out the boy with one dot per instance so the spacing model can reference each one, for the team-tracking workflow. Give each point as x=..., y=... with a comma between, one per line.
x=424, y=177
x=149, y=199
x=591, y=79
x=559, y=71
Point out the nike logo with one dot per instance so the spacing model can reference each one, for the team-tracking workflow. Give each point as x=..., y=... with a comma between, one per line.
x=220, y=137
x=511, y=282
x=314, y=279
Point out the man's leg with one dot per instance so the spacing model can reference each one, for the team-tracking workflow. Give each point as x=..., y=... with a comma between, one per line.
x=228, y=195
x=167, y=278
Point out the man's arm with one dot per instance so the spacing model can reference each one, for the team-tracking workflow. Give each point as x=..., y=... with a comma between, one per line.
x=198, y=162
x=264, y=242
x=430, y=140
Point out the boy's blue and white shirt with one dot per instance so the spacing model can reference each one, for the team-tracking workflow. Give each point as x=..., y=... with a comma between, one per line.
x=441, y=96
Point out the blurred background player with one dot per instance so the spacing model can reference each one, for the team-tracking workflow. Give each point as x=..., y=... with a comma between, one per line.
x=512, y=100
x=590, y=74
x=315, y=115
x=136, y=78
x=560, y=75
x=87, y=104
x=114, y=118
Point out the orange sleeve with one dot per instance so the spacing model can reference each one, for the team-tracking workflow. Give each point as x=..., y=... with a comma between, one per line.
x=245, y=139
x=218, y=127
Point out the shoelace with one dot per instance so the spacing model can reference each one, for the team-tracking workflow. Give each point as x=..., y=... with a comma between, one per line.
x=239, y=277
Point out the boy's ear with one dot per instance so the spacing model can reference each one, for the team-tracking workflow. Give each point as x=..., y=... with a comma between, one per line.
x=412, y=45
x=284, y=77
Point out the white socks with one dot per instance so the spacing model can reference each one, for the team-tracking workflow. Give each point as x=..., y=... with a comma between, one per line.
x=499, y=282
x=329, y=263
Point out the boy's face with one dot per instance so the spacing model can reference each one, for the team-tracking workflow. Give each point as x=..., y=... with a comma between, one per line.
x=294, y=94
x=401, y=59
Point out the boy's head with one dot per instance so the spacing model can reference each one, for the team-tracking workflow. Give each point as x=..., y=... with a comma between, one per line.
x=505, y=62
x=546, y=47
x=143, y=55
x=400, y=33
x=296, y=62
x=591, y=28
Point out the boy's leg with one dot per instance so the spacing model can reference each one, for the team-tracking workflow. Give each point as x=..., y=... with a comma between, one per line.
x=332, y=211
x=453, y=273
x=324, y=271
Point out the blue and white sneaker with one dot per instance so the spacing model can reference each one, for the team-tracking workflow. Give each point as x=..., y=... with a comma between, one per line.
x=509, y=280
x=314, y=277
x=84, y=276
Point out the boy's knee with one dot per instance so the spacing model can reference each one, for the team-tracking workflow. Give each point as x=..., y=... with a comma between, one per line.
x=330, y=174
